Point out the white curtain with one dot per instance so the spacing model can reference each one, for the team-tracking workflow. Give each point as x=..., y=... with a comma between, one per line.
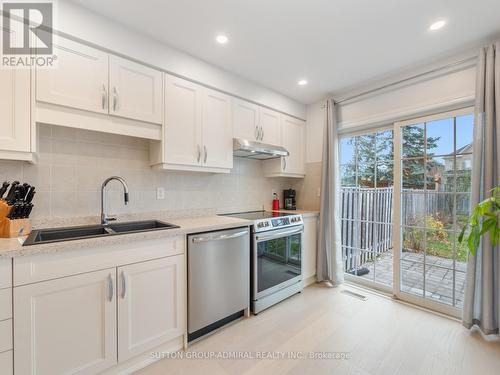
x=329, y=261
x=482, y=293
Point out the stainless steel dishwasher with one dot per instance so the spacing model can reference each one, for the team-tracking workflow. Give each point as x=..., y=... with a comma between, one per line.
x=218, y=279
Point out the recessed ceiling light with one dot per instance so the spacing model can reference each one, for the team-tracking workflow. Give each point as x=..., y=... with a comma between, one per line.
x=437, y=25
x=221, y=39
x=302, y=82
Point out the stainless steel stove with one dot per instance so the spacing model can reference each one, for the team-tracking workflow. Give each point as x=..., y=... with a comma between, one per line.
x=276, y=248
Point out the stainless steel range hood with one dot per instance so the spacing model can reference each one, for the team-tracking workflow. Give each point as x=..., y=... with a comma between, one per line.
x=256, y=150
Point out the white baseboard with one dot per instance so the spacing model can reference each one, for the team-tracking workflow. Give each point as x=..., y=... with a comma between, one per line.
x=309, y=280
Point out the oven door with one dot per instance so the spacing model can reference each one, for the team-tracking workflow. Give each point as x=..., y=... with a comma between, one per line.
x=277, y=260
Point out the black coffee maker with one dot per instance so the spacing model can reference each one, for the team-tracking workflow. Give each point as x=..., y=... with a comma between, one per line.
x=289, y=199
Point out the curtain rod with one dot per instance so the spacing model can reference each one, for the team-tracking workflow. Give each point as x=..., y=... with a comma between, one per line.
x=447, y=66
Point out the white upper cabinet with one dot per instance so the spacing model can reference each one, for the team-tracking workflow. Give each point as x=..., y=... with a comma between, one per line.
x=198, y=133
x=67, y=325
x=182, y=128
x=90, y=89
x=245, y=120
x=217, y=130
x=293, y=135
x=270, y=126
x=135, y=90
x=256, y=123
x=15, y=127
x=293, y=140
x=151, y=304
x=78, y=80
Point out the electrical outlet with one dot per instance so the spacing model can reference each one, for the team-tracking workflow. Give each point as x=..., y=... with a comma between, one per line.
x=160, y=193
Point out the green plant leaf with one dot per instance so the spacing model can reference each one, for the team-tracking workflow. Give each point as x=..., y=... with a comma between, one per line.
x=462, y=233
x=488, y=224
x=470, y=244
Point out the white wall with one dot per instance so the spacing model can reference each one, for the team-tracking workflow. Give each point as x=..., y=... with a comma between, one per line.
x=314, y=132
x=90, y=27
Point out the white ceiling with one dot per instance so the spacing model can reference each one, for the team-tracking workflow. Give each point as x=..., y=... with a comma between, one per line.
x=334, y=44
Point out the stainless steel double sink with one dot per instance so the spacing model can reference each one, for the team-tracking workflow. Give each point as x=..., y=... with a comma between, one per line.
x=41, y=236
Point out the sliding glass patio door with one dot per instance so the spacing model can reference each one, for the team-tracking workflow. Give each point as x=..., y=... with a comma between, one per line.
x=405, y=196
x=367, y=207
x=433, y=161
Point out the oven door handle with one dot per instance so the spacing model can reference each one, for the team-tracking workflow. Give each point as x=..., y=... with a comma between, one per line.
x=264, y=237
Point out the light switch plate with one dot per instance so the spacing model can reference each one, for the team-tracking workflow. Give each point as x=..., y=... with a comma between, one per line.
x=160, y=193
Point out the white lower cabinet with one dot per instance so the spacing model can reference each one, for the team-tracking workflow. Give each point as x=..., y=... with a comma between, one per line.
x=150, y=304
x=67, y=325
x=93, y=322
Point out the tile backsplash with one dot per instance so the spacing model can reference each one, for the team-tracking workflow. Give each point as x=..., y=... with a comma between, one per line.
x=73, y=164
x=309, y=188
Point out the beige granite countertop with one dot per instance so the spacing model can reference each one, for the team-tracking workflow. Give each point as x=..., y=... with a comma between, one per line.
x=12, y=247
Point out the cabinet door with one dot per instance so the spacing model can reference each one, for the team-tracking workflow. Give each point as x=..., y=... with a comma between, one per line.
x=15, y=128
x=245, y=120
x=270, y=125
x=292, y=136
x=182, y=128
x=67, y=325
x=151, y=304
x=217, y=130
x=78, y=80
x=135, y=90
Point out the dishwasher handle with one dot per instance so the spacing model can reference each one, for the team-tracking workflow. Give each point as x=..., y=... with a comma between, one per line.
x=219, y=237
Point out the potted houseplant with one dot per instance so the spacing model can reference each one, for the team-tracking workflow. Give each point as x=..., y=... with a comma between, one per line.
x=484, y=220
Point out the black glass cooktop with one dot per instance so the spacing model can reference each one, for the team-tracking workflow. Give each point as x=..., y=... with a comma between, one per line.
x=257, y=215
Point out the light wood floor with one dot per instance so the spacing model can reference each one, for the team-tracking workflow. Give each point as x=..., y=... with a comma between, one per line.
x=382, y=336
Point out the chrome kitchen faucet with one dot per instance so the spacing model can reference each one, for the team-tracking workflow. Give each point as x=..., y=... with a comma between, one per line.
x=105, y=219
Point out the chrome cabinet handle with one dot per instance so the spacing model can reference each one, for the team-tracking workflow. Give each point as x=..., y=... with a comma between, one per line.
x=110, y=288
x=199, y=154
x=220, y=237
x=115, y=99
x=124, y=284
x=261, y=133
x=257, y=132
x=206, y=154
x=104, y=96
x=284, y=163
